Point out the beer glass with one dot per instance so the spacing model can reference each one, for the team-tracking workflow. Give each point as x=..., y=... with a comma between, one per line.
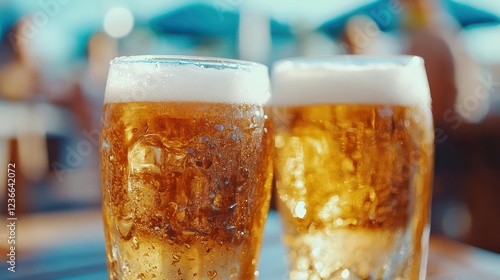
x=186, y=167
x=353, y=165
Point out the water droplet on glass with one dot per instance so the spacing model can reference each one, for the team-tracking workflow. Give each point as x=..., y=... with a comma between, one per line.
x=232, y=206
x=176, y=156
x=146, y=155
x=115, y=252
x=105, y=145
x=181, y=215
x=233, y=272
x=125, y=226
x=125, y=267
x=190, y=152
x=135, y=243
x=211, y=274
x=348, y=166
x=219, y=127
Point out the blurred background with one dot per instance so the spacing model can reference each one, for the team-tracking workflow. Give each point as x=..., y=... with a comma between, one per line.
x=54, y=57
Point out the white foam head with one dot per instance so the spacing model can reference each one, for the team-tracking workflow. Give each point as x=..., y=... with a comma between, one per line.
x=397, y=80
x=183, y=78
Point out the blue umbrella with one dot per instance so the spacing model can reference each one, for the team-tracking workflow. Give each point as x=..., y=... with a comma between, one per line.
x=467, y=15
x=8, y=17
x=205, y=20
x=387, y=15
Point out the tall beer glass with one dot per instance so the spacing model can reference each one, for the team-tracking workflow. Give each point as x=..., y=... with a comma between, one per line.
x=185, y=167
x=353, y=166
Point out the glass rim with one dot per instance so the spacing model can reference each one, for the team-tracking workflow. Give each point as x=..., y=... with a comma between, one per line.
x=356, y=60
x=200, y=61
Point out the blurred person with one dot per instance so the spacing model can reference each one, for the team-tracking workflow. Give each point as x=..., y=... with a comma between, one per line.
x=425, y=34
x=101, y=49
x=465, y=187
x=363, y=36
x=46, y=109
x=455, y=78
x=23, y=124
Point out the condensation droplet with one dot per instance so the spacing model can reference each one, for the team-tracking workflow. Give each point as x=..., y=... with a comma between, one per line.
x=135, y=242
x=233, y=273
x=211, y=274
x=232, y=206
x=115, y=252
x=348, y=166
x=181, y=215
x=125, y=226
x=219, y=127
x=126, y=267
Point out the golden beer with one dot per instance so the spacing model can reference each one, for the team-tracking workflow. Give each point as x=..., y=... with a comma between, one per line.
x=186, y=184
x=353, y=181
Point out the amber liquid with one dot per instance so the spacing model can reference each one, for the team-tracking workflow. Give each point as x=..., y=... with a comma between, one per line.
x=353, y=184
x=186, y=189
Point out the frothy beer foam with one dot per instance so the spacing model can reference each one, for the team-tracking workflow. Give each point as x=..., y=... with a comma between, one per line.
x=171, y=78
x=350, y=80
